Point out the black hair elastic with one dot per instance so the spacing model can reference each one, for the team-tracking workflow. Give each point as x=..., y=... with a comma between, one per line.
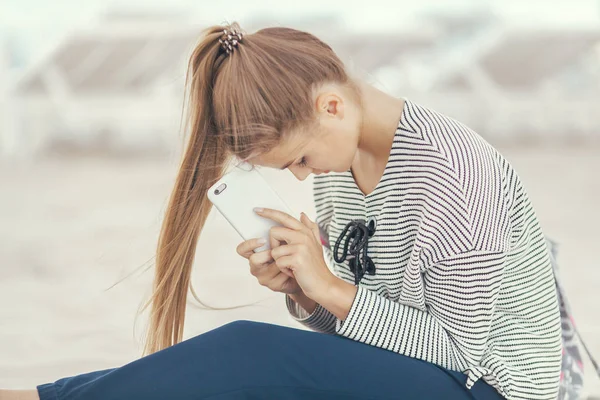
x=360, y=262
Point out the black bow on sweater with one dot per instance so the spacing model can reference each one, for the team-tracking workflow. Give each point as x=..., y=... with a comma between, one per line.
x=360, y=262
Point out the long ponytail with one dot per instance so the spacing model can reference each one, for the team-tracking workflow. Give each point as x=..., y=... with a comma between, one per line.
x=203, y=163
x=239, y=104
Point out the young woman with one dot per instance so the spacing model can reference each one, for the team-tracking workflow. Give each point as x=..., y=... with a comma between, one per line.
x=442, y=283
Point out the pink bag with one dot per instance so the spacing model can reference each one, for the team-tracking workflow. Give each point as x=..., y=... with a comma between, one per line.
x=571, y=375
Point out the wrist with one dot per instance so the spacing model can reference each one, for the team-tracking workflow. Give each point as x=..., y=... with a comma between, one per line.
x=308, y=304
x=330, y=285
x=338, y=297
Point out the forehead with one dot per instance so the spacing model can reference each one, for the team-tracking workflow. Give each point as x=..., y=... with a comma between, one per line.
x=287, y=150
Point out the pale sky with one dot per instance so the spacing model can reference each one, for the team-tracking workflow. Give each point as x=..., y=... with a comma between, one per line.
x=39, y=22
x=31, y=14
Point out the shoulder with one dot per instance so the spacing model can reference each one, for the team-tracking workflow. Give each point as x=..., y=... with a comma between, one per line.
x=464, y=149
x=480, y=172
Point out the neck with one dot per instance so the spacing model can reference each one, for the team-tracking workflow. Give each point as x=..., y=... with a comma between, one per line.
x=381, y=114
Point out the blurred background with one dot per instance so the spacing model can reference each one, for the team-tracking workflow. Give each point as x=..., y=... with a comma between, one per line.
x=90, y=107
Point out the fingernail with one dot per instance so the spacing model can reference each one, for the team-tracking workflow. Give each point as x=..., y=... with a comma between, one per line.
x=261, y=241
x=258, y=209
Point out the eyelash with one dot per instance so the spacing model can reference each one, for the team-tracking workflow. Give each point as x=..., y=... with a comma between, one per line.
x=302, y=162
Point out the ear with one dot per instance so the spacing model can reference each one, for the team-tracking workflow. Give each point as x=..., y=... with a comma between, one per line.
x=330, y=105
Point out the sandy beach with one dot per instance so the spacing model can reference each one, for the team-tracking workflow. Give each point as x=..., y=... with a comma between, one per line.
x=72, y=227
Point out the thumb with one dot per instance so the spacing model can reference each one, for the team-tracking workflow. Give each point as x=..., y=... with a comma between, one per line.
x=311, y=225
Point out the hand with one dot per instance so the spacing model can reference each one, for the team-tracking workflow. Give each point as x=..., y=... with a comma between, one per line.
x=299, y=250
x=263, y=267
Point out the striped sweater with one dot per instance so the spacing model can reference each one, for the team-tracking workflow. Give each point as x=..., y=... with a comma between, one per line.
x=463, y=275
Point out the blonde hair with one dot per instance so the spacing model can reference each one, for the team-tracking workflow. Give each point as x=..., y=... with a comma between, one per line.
x=239, y=104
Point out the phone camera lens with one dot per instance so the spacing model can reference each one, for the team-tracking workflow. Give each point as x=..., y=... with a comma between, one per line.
x=221, y=188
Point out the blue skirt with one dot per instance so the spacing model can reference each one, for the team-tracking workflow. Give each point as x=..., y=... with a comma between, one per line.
x=256, y=360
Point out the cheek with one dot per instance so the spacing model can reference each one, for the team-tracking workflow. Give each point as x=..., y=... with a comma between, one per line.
x=348, y=151
x=341, y=150
x=340, y=160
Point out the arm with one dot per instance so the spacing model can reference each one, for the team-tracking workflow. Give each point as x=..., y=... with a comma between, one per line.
x=303, y=309
x=303, y=301
x=314, y=316
x=310, y=313
x=450, y=329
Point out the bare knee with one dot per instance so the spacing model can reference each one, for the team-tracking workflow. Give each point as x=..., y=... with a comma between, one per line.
x=19, y=395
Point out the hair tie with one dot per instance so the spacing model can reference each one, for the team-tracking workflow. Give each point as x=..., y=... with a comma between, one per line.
x=230, y=39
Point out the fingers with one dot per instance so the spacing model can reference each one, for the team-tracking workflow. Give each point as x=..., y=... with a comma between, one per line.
x=277, y=283
x=245, y=249
x=274, y=242
x=266, y=268
x=284, y=263
x=264, y=272
x=283, y=218
x=262, y=257
x=312, y=226
x=268, y=271
x=285, y=257
x=282, y=234
x=278, y=235
x=284, y=251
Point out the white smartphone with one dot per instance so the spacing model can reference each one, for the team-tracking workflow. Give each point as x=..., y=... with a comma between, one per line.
x=237, y=193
